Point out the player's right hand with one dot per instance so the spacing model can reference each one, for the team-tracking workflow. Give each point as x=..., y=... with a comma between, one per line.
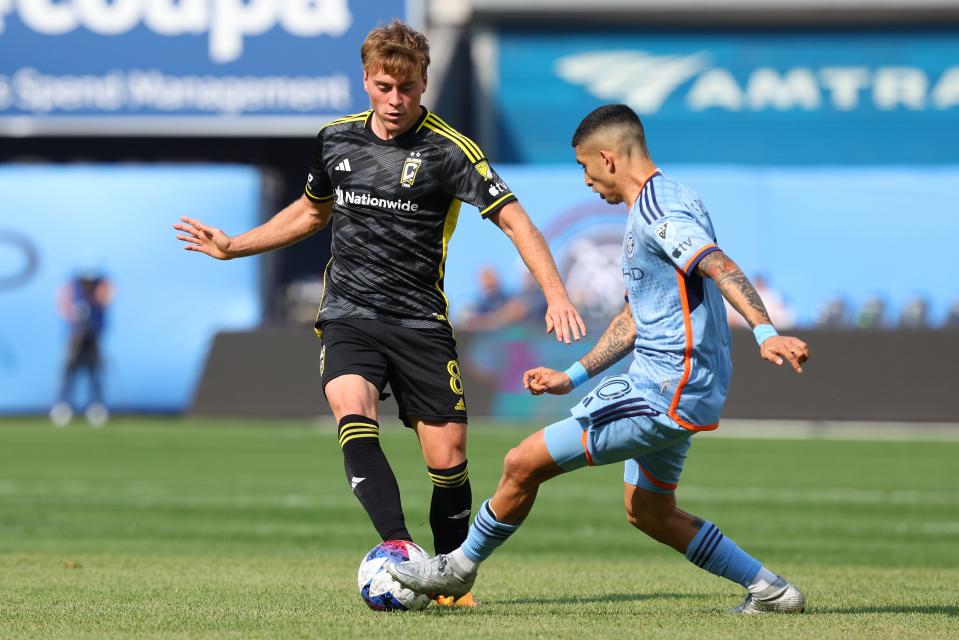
x=778, y=348
x=544, y=380
x=199, y=237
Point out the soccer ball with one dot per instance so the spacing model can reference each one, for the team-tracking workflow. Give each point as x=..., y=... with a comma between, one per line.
x=378, y=589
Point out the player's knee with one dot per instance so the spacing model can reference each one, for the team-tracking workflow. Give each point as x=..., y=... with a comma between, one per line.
x=517, y=467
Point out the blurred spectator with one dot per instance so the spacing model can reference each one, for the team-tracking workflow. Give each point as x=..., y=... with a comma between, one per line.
x=781, y=314
x=83, y=302
x=915, y=314
x=489, y=311
x=872, y=315
x=952, y=316
x=834, y=314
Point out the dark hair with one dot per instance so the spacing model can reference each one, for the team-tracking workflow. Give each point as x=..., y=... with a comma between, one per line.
x=608, y=116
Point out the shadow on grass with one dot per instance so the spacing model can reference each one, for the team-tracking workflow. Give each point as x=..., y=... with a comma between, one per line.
x=947, y=610
x=607, y=598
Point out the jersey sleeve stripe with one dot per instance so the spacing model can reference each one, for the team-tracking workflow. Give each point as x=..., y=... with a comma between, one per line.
x=642, y=210
x=315, y=198
x=695, y=260
x=496, y=203
x=459, y=144
x=442, y=123
x=652, y=197
x=350, y=118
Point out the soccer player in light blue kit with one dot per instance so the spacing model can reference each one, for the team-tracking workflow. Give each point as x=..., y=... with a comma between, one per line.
x=674, y=324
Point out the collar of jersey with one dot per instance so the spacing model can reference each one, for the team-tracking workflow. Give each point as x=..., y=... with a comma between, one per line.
x=406, y=135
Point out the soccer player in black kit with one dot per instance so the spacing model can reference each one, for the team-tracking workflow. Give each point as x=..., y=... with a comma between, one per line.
x=392, y=179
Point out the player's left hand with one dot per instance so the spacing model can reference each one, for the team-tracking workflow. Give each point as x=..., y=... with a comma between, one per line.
x=563, y=317
x=777, y=348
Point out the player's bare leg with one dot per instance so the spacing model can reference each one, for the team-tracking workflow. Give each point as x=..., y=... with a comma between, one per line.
x=525, y=468
x=656, y=515
x=353, y=400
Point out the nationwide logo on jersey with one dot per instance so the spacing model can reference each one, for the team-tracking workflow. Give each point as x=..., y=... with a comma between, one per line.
x=482, y=167
x=367, y=200
x=411, y=167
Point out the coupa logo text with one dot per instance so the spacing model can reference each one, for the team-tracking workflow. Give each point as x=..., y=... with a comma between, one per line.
x=226, y=21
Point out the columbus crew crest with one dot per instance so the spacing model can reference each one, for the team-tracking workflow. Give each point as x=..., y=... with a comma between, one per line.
x=411, y=166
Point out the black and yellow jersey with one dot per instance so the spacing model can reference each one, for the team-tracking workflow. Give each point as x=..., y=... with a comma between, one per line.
x=395, y=206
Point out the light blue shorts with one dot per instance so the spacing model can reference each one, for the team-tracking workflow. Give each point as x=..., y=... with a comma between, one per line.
x=614, y=423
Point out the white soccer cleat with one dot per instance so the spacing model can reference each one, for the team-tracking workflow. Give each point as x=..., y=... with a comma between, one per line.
x=779, y=597
x=61, y=414
x=435, y=575
x=97, y=415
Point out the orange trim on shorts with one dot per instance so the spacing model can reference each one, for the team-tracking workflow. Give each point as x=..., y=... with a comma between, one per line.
x=657, y=483
x=589, y=458
x=687, y=360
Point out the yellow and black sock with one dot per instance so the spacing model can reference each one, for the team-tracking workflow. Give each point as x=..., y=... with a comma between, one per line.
x=370, y=477
x=450, y=508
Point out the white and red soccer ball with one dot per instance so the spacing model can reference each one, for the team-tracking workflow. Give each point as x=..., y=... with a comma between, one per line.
x=378, y=588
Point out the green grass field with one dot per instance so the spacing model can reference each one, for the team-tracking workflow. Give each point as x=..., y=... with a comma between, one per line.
x=183, y=529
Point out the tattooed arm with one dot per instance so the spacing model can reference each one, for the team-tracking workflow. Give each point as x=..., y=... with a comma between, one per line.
x=736, y=288
x=616, y=342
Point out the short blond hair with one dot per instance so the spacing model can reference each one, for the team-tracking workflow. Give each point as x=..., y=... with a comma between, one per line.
x=396, y=49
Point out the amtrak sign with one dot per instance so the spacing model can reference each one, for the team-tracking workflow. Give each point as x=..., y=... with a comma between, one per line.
x=181, y=66
x=645, y=81
x=770, y=98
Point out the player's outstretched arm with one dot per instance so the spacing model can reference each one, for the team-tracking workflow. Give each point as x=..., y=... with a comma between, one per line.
x=561, y=315
x=301, y=219
x=737, y=288
x=616, y=342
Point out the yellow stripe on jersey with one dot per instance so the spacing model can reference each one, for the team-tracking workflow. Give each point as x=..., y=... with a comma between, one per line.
x=456, y=138
x=452, y=215
x=442, y=123
x=316, y=198
x=319, y=309
x=498, y=200
x=354, y=117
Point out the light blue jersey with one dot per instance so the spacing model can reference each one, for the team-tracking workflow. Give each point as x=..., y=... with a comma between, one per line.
x=681, y=359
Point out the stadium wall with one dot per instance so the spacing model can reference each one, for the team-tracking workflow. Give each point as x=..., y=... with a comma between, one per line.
x=870, y=375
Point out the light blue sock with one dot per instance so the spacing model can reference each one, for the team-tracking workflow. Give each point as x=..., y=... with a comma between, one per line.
x=717, y=554
x=486, y=534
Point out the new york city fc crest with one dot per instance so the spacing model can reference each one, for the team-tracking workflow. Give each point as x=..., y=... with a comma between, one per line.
x=630, y=244
x=411, y=166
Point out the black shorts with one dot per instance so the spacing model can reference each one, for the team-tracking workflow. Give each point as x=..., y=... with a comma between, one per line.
x=420, y=365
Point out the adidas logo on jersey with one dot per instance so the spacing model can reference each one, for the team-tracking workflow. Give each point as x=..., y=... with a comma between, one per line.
x=344, y=165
